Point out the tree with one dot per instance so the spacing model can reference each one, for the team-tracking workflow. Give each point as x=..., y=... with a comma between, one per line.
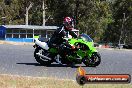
x=94, y=16
x=122, y=14
x=7, y=2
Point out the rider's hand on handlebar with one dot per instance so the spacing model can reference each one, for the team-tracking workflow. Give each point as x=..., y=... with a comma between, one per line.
x=73, y=47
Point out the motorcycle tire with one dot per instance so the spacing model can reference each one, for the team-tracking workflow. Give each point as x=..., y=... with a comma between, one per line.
x=93, y=61
x=39, y=59
x=97, y=58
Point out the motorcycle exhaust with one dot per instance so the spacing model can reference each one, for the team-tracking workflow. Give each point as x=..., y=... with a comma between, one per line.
x=43, y=45
x=47, y=58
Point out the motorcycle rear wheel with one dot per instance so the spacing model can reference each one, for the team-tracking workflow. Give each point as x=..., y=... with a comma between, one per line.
x=41, y=60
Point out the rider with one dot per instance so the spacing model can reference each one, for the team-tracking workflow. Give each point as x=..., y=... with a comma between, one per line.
x=63, y=31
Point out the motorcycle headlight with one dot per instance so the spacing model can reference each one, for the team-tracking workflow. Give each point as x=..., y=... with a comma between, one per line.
x=93, y=44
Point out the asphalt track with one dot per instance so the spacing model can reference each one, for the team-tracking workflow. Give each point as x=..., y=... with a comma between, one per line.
x=19, y=60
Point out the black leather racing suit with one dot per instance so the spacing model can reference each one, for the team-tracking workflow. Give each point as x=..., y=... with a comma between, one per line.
x=58, y=35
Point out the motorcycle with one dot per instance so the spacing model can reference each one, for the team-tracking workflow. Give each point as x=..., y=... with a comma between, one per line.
x=84, y=52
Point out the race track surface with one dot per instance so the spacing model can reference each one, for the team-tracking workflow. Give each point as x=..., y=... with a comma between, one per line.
x=19, y=60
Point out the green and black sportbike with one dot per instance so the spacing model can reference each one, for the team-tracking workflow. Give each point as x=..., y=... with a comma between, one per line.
x=84, y=52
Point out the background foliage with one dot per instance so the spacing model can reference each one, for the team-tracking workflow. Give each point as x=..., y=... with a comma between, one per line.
x=103, y=20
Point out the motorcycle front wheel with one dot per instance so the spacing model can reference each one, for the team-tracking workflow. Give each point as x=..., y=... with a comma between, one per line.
x=92, y=61
x=40, y=60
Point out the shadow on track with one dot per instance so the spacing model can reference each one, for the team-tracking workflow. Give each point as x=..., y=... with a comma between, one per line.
x=34, y=64
x=52, y=65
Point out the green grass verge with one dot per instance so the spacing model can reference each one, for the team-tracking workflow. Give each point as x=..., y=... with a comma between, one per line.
x=10, y=81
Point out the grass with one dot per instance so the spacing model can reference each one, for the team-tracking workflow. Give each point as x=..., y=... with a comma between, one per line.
x=10, y=81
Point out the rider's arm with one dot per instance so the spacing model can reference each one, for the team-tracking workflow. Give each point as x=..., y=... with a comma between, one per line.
x=73, y=34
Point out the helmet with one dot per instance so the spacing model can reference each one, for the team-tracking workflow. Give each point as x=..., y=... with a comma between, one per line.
x=68, y=20
x=68, y=23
